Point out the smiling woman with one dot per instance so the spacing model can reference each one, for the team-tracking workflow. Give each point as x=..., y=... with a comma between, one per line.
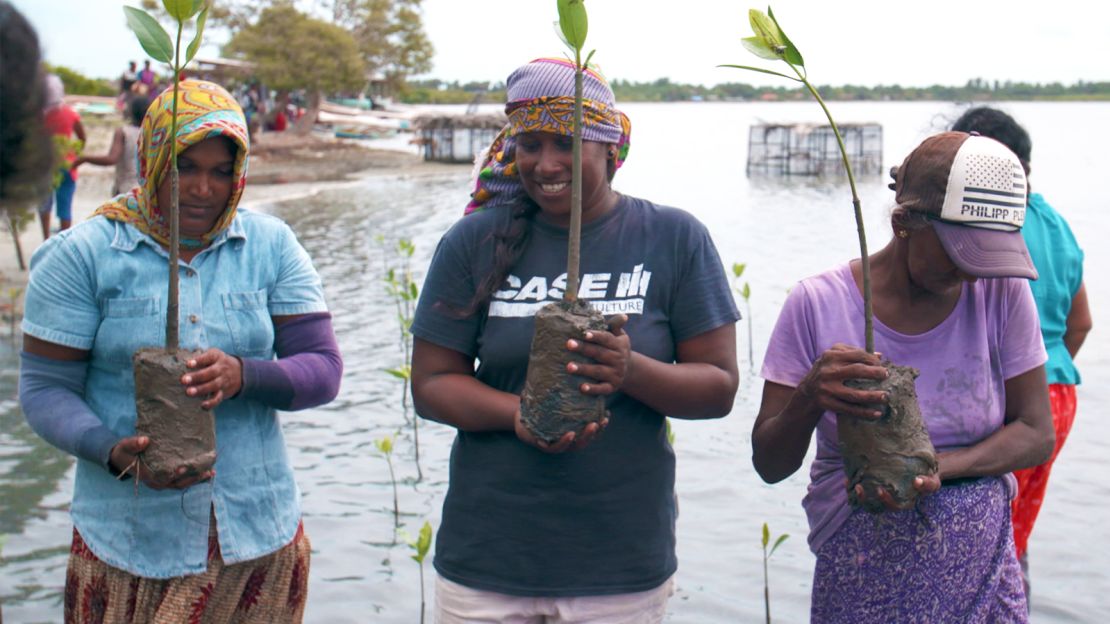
x=220, y=538
x=669, y=350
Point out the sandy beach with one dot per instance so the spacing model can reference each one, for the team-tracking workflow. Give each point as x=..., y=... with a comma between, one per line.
x=281, y=165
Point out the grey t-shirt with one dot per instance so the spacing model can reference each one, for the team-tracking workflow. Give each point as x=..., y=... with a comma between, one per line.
x=597, y=521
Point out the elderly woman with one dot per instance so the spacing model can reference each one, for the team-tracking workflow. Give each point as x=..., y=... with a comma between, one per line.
x=226, y=545
x=582, y=529
x=1062, y=309
x=949, y=300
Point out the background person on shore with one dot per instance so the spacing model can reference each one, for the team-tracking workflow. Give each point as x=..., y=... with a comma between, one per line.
x=123, y=153
x=582, y=529
x=146, y=76
x=128, y=78
x=224, y=546
x=63, y=124
x=1062, y=308
x=951, y=299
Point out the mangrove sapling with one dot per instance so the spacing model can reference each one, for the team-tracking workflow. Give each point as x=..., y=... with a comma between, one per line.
x=551, y=404
x=181, y=432
x=745, y=293
x=766, y=557
x=402, y=288
x=11, y=309
x=385, y=447
x=890, y=452
x=421, y=545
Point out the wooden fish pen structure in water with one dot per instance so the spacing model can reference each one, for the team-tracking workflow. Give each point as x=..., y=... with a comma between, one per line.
x=811, y=149
x=456, y=138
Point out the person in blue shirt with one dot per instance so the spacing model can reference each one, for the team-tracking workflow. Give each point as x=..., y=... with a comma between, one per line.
x=228, y=544
x=1062, y=307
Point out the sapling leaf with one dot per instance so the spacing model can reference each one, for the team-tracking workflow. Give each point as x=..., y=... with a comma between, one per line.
x=762, y=71
x=180, y=10
x=399, y=373
x=758, y=47
x=413, y=292
x=385, y=445
x=573, y=22
x=766, y=29
x=589, y=56
x=195, y=45
x=746, y=293
x=423, y=542
x=780, y=540
x=738, y=268
x=766, y=535
x=152, y=37
x=791, y=54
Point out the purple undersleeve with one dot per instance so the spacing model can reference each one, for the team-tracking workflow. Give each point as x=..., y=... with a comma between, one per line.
x=307, y=371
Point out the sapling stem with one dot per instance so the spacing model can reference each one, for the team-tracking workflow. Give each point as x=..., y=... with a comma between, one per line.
x=575, y=234
x=172, y=301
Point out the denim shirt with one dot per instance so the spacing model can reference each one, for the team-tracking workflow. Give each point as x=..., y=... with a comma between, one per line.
x=101, y=286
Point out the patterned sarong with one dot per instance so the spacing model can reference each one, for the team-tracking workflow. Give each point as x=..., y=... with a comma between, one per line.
x=268, y=590
x=950, y=560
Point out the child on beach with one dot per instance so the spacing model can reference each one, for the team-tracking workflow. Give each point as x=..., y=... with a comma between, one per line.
x=123, y=152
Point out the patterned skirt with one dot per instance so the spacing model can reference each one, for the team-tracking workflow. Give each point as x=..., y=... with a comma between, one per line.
x=950, y=560
x=268, y=590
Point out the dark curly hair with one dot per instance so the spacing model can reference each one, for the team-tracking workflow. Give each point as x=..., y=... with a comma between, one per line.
x=995, y=124
x=26, y=150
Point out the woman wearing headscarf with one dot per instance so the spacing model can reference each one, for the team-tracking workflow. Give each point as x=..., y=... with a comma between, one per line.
x=582, y=529
x=951, y=299
x=227, y=545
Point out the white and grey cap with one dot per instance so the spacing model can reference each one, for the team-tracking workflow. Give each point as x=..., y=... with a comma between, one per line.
x=973, y=189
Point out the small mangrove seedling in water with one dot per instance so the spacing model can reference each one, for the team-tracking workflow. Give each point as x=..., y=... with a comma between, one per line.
x=181, y=432
x=421, y=545
x=767, y=557
x=745, y=293
x=886, y=454
x=402, y=288
x=551, y=404
x=385, y=447
x=11, y=309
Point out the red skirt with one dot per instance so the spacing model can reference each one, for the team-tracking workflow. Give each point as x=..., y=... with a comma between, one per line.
x=1032, y=482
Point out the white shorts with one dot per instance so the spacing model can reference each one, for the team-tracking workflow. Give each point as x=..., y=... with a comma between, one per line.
x=458, y=604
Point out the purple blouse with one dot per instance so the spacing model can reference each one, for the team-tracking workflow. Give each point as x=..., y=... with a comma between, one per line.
x=992, y=335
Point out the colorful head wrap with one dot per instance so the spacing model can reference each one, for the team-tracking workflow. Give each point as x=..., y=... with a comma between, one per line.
x=541, y=99
x=204, y=110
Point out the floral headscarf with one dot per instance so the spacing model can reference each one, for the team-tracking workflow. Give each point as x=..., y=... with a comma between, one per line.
x=541, y=99
x=204, y=110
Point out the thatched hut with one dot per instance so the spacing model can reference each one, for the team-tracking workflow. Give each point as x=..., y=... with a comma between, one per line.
x=456, y=138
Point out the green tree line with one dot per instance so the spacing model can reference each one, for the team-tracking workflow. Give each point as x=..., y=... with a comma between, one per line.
x=663, y=90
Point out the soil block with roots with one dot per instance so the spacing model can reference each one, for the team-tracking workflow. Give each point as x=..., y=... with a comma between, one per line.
x=552, y=403
x=181, y=432
x=891, y=451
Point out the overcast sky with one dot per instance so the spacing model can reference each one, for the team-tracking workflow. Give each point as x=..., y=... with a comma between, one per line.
x=865, y=42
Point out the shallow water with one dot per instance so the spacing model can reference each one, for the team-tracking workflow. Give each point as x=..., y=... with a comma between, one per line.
x=689, y=155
